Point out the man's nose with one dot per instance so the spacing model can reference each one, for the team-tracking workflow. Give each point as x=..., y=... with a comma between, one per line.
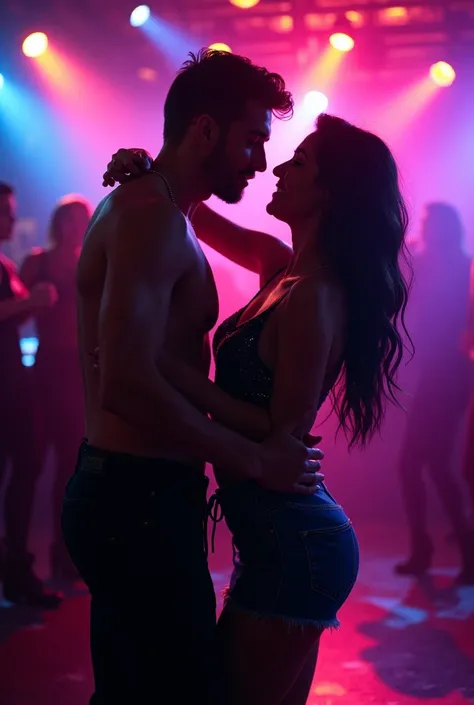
x=260, y=161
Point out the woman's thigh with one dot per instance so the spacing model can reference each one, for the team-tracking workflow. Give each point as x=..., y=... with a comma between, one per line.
x=262, y=657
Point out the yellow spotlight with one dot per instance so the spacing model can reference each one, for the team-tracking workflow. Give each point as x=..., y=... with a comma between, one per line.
x=220, y=46
x=35, y=44
x=394, y=15
x=442, y=74
x=281, y=24
x=355, y=18
x=244, y=4
x=341, y=41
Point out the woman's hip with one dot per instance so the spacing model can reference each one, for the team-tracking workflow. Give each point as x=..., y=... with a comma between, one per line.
x=294, y=557
x=253, y=512
x=288, y=529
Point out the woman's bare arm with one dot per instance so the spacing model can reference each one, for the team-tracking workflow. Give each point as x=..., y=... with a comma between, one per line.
x=307, y=330
x=256, y=251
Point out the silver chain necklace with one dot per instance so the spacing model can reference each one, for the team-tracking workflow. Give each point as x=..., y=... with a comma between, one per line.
x=168, y=187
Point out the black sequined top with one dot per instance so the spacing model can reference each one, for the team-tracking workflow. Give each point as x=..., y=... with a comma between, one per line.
x=240, y=371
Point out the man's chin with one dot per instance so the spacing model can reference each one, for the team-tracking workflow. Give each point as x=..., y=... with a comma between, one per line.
x=229, y=197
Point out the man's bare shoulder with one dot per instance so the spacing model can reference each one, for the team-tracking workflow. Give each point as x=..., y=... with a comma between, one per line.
x=142, y=213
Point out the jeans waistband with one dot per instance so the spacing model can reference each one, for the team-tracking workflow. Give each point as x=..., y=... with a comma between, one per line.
x=168, y=474
x=215, y=512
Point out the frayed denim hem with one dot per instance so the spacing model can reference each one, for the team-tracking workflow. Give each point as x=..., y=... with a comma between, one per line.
x=320, y=625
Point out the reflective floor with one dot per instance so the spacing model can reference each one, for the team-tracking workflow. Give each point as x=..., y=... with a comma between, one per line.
x=401, y=642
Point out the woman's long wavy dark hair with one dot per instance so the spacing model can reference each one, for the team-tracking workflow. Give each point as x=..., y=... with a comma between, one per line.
x=363, y=239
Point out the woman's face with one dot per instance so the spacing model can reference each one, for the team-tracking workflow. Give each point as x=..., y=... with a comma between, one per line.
x=298, y=198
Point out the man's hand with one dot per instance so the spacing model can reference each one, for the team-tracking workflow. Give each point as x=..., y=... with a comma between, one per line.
x=42, y=295
x=289, y=466
x=125, y=165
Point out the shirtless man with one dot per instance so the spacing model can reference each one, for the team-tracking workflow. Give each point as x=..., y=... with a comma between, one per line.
x=135, y=509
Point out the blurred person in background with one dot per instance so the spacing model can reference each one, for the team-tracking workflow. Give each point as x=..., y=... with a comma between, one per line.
x=17, y=423
x=440, y=303
x=468, y=457
x=58, y=383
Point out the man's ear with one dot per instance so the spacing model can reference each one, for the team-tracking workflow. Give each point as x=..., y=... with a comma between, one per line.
x=207, y=131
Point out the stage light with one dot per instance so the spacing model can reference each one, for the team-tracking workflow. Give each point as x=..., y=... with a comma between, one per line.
x=341, y=41
x=442, y=74
x=355, y=18
x=2, y=81
x=140, y=15
x=28, y=360
x=282, y=24
x=147, y=74
x=220, y=46
x=29, y=348
x=244, y=4
x=35, y=45
x=315, y=103
x=394, y=15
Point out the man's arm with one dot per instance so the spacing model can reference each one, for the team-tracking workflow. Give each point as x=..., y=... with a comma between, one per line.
x=143, y=265
x=13, y=308
x=19, y=306
x=240, y=416
x=42, y=296
x=259, y=252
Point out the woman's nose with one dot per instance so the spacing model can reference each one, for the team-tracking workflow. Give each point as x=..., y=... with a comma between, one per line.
x=279, y=170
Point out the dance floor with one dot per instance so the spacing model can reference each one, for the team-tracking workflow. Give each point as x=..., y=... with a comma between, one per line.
x=401, y=642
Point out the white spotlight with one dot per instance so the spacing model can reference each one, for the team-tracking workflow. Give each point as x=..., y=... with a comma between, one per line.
x=315, y=103
x=139, y=15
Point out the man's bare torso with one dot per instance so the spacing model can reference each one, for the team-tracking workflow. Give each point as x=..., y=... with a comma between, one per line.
x=193, y=312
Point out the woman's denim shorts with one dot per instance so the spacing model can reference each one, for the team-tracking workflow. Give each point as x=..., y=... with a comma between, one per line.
x=296, y=557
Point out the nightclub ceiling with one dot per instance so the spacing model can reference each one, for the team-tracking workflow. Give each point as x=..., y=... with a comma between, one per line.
x=399, y=36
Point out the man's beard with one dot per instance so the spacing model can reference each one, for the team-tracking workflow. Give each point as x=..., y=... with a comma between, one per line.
x=222, y=183
x=229, y=194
